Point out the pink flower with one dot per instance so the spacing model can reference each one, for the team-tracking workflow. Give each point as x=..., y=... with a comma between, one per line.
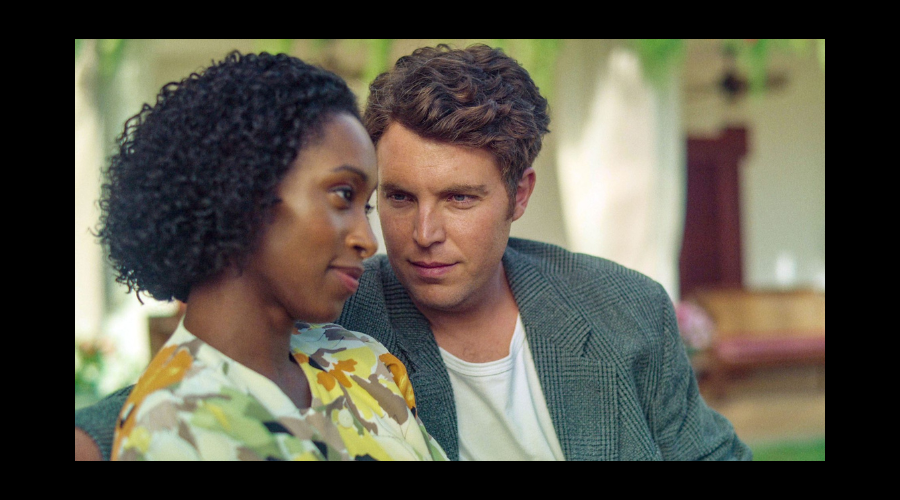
x=695, y=325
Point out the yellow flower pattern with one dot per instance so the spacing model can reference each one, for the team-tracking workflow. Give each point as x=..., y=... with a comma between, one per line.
x=401, y=378
x=167, y=368
x=193, y=402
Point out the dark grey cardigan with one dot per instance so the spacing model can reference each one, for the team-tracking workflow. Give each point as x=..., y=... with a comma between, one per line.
x=606, y=347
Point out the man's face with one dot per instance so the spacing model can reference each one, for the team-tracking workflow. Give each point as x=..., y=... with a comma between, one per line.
x=445, y=215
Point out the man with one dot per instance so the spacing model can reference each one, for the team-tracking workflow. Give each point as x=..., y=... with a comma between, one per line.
x=517, y=350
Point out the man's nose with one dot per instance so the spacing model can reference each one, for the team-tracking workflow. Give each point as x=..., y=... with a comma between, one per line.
x=429, y=228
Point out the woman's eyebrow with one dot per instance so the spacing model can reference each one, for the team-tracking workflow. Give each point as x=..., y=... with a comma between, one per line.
x=349, y=168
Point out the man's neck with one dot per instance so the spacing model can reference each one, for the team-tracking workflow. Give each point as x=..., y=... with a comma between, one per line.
x=482, y=331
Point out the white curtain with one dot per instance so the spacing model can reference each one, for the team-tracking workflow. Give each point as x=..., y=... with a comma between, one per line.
x=89, y=296
x=116, y=318
x=620, y=159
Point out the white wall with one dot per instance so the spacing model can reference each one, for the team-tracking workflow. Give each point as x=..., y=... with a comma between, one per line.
x=88, y=259
x=783, y=175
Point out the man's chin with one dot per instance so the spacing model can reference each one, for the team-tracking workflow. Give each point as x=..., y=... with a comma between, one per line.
x=439, y=298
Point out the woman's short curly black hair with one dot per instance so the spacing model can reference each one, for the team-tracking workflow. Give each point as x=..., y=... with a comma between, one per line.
x=196, y=175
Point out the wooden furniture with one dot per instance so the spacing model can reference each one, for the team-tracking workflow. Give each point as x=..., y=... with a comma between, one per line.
x=756, y=329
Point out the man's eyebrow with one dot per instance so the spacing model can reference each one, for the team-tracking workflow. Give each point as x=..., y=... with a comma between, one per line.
x=479, y=189
x=390, y=186
x=349, y=168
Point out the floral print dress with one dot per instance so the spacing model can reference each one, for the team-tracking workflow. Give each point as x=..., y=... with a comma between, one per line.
x=195, y=403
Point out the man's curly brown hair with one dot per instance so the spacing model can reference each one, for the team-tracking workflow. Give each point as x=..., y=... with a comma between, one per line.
x=196, y=174
x=477, y=97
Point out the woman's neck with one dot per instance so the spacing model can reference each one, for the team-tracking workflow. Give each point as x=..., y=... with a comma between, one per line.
x=229, y=314
x=233, y=316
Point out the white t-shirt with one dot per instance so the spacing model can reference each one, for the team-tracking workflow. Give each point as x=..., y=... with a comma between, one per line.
x=501, y=411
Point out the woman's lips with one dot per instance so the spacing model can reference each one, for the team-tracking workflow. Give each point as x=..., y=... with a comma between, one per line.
x=432, y=270
x=349, y=277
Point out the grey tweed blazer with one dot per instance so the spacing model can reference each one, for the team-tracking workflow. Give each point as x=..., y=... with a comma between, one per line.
x=606, y=346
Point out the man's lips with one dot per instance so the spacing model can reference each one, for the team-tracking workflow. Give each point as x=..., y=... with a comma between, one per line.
x=432, y=270
x=349, y=276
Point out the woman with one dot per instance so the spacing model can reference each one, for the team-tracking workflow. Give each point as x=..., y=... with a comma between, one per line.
x=243, y=192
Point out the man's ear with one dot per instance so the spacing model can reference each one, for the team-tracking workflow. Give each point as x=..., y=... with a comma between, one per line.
x=523, y=192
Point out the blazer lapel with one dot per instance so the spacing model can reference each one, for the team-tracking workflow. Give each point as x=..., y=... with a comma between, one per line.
x=581, y=392
x=421, y=355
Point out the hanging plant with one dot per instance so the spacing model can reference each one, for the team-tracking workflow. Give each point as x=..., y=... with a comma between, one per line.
x=753, y=56
x=379, y=60
x=658, y=56
x=110, y=52
x=273, y=45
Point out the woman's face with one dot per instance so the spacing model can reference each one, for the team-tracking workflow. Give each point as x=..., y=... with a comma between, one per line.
x=310, y=256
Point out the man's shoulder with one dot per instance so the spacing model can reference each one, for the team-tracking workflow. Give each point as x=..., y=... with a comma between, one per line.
x=376, y=263
x=377, y=271
x=366, y=310
x=557, y=263
x=379, y=285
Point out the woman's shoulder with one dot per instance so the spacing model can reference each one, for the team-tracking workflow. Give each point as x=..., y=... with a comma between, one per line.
x=312, y=337
x=345, y=353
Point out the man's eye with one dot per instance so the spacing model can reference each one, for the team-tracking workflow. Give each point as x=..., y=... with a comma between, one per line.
x=462, y=199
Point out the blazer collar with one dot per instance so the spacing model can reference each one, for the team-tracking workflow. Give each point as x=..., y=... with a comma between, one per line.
x=544, y=305
x=558, y=331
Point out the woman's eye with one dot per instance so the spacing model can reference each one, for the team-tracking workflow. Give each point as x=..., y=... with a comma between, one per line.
x=345, y=192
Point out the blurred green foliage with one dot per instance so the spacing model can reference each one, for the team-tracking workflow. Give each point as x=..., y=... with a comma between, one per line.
x=379, y=52
x=751, y=55
x=822, y=52
x=537, y=55
x=109, y=53
x=273, y=45
x=659, y=55
x=89, y=367
x=811, y=450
